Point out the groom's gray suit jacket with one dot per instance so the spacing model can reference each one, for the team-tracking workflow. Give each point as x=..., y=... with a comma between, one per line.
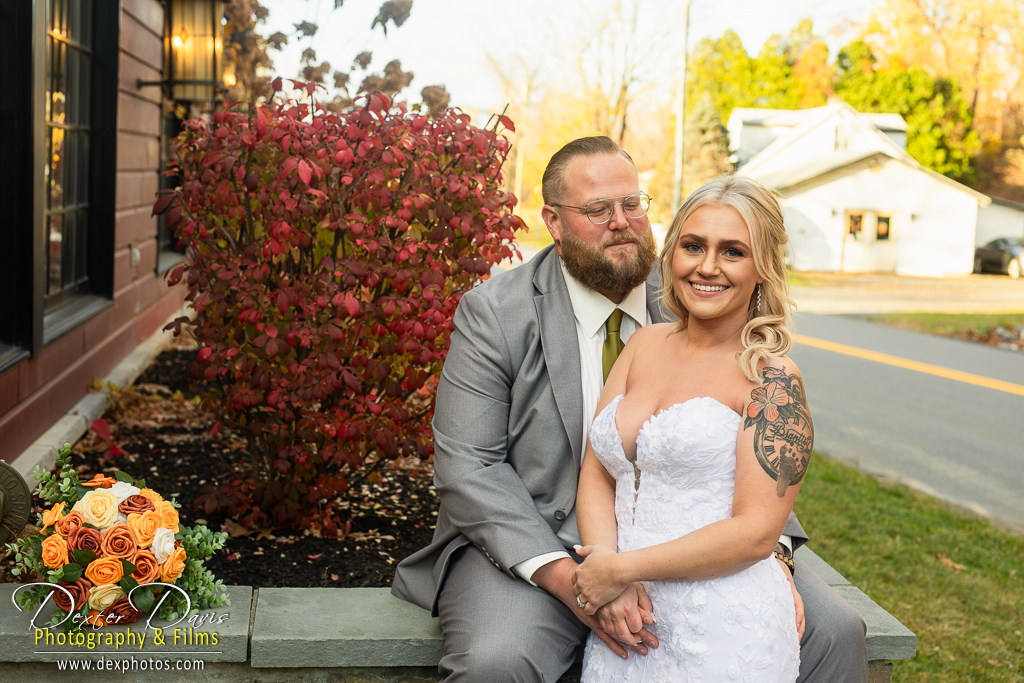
x=507, y=426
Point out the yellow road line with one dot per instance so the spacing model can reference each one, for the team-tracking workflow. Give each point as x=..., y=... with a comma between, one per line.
x=907, y=364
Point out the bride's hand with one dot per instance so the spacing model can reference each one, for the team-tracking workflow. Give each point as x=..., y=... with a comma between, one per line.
x=597, y=581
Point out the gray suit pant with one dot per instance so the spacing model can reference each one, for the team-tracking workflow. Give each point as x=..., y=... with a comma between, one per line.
x=498, y=629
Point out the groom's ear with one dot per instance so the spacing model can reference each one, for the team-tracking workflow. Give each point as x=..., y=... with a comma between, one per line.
x=553, y=222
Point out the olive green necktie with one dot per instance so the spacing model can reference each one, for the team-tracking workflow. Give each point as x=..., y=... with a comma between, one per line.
x=612, y=341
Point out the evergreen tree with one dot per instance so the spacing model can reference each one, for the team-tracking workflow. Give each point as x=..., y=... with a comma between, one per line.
x=707, y=145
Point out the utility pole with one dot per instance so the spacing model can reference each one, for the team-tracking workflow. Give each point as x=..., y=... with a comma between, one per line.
x=677, y=186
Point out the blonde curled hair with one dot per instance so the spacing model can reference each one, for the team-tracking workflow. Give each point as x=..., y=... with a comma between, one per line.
x=768, y=333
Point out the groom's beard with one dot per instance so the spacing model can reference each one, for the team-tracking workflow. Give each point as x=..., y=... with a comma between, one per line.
x=592, y=269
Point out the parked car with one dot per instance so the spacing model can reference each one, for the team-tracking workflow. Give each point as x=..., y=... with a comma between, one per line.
x=1003, y=255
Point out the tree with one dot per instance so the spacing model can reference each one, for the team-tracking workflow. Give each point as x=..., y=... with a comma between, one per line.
x=723, y=69
x=247, y=61
x=939, y=132
x=707, y=145
x=807, y=54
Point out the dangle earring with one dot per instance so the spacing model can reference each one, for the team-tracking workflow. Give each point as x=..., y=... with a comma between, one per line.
x=759, y=299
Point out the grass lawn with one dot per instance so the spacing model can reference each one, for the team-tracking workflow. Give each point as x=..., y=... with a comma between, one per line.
x=953, y=579
x=949, y=324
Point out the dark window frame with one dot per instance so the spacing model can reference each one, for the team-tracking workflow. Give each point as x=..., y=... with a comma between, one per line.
x=25, y=326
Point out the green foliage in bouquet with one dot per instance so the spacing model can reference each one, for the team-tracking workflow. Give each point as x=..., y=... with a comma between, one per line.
x=96, y=571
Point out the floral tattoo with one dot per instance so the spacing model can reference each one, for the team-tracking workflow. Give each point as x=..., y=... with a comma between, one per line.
x=783, y=433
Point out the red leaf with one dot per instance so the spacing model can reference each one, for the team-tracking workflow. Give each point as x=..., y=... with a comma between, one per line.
x=102, y=429
x=276, y=84
x=507, y=122
x=271, y=348
x=351, y=305
x=305, y=172
x=162, y=203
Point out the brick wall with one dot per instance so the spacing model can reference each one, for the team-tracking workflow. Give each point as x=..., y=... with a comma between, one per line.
x=37, y=392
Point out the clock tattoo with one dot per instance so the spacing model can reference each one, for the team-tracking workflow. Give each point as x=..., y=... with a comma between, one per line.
x=783, y=432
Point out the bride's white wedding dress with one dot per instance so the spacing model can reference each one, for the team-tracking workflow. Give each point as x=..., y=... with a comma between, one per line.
x=736, y=628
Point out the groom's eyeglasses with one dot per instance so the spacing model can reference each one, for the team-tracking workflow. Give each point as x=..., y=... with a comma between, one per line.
x=600, y=211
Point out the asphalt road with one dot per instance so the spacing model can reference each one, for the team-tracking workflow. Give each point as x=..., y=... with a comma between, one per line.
x=952, y=439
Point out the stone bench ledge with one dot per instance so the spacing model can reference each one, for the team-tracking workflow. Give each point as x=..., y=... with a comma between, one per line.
x=887, y=638
x=342, y=627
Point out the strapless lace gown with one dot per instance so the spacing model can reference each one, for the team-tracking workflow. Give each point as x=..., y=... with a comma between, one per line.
x=736, y=628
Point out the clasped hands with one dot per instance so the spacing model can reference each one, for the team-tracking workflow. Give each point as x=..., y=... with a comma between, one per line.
x=596, y=581
x=619, y=623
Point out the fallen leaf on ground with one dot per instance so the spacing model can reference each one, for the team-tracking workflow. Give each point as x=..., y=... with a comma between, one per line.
x=950, y=563
x=235, y=530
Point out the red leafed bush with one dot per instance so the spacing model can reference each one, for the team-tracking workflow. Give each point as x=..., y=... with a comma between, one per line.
x=327, y=255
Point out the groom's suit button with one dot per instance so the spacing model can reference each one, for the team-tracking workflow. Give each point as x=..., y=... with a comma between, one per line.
x=559, y=515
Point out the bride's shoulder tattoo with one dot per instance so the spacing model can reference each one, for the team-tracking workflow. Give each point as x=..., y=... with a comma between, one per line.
x=783, y=433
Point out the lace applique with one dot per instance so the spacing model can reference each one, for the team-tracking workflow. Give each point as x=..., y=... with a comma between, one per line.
x=736, y=628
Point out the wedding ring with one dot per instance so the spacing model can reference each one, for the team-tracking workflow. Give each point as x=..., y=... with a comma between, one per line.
x=579, y=601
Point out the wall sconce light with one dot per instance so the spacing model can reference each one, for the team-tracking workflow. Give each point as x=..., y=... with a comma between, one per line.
x=193, y=48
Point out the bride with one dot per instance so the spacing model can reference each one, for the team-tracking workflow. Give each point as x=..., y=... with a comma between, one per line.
x=702, y=438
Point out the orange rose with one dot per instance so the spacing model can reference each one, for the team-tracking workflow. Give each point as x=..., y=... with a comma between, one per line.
x=84, y=538
x=136, y=504
x=144, y=526
x=54, y=514
x=147, y=569
x=100, y=481
x=151, y=494
x=173, y=566
x=118, y=542
x=104, y=571
x=99, y=508
x=169, y=515
x=65, y=524
x=95, y=619
x=55, y=552
x=79, y=590
x=121, y=612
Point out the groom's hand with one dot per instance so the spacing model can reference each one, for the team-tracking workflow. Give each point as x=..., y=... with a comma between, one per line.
x=798, y=602
x=625, y=616
x=556, y=578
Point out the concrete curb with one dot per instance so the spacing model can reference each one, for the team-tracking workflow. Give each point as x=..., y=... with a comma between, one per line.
x=77, y=421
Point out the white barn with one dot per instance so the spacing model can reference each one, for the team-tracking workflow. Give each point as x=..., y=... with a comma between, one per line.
x=855, y=201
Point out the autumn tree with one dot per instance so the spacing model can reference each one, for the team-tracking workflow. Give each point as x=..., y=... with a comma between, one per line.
x=247, y=60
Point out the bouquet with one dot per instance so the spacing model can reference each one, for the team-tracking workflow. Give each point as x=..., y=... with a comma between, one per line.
x=103, y=538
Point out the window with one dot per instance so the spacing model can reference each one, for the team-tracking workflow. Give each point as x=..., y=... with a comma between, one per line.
x=882, y=228
x=69, y=39
x=58, y=122
x=855, y=224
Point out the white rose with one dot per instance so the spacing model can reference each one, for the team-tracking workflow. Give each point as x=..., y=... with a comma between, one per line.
x=98, y=507
x=102, y=597
x=123, y=489
x=163, y=544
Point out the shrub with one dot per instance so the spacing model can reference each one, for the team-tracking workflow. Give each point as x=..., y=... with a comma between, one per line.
x=327, y=255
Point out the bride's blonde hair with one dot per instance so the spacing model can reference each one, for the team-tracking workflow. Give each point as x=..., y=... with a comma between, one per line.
x=768, y=333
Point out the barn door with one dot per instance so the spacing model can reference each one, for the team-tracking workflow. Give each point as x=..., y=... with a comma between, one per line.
x=868, y=243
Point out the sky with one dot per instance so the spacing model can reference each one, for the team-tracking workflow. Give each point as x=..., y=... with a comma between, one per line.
x=448, y=42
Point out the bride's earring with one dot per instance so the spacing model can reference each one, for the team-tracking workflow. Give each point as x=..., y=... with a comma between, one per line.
x=759, y=299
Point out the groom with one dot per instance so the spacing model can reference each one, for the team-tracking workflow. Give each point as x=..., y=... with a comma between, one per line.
x=528, y=358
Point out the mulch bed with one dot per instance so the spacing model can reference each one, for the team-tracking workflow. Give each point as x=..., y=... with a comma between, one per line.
x=169, y=443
